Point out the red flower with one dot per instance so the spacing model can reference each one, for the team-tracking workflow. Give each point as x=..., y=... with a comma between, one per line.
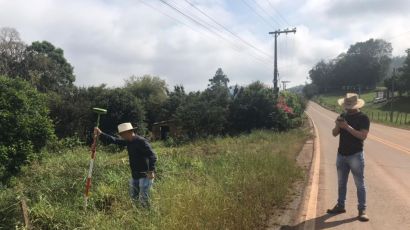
x=283, y=106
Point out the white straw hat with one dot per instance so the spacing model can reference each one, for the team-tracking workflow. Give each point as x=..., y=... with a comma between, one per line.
x=125, y=127
x=351, y=101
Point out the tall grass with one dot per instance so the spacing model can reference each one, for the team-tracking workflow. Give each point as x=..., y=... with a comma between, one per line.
x=219, y=183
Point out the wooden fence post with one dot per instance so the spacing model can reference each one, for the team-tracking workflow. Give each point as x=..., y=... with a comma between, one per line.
x=24, y=213
x=397, y=117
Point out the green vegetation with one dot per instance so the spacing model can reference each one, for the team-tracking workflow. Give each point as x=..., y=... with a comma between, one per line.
x=218, y=178
x=218, y=110
x=401, y=78
x=365, y=64
x=213, y=183
x=379, y=112
x=25, y=127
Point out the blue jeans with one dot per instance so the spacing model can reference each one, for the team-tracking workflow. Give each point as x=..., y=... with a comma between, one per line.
x=139, y=190
x=354, y=163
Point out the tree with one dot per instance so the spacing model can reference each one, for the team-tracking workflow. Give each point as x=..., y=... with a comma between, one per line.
x=219, y=79
x=71, y=112
x=364, y=65
x=73, y=116
x=122, y=106
x=175, y=99
x=405, y=72
x=310, y=90
x=396, y=63
x=12, y=52
x=24, y=125
x=252, y=108
x=191, y=116
x=206, y=113
x=322, y=75
x=47, y=69
x=152, y=91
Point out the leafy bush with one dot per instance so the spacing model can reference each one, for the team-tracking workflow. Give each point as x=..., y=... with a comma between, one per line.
x=24, y=125
x=251, y=108
x=294, y=101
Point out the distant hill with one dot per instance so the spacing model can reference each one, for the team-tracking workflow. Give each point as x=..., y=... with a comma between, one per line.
x=297, y=89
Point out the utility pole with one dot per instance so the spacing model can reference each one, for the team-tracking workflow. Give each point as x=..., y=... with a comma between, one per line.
x=392, y=95
x=275, y=68
x=284, y=84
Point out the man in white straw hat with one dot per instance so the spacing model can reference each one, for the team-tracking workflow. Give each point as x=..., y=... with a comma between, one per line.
x=142, y=160
x=353, y=127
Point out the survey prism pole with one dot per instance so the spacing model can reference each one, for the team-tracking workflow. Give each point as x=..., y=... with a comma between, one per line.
x=93, y=153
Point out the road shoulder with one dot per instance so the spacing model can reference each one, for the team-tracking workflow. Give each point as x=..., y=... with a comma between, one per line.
x=295, y=212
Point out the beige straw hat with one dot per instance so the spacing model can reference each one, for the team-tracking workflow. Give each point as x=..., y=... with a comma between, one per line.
x=351, y=101
x=125, y=127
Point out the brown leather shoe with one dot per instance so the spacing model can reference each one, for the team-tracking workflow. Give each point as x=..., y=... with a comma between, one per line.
x=362, y=216
x=336, y=210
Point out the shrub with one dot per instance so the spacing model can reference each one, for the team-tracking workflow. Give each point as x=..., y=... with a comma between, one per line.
x=289, y=111
x=252, y=107
x=24, y=125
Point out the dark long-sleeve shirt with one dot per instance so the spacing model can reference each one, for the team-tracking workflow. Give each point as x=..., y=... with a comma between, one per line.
x=142, y=157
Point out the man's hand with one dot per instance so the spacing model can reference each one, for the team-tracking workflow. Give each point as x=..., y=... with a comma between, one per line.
x=97, y=131
x=343, y=124
x=150, y=175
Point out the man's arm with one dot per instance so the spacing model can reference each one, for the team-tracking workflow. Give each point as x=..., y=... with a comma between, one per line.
x=109, y=138
x=359, y=134
x=336, y=130
x=152, y=159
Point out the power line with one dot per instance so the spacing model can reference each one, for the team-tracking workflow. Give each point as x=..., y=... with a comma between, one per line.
x=228, y=30
x=256, y=12
x=266, y=61
x=198, y=18
x=189, y=17
x=267, y=13
x=183, y=23
x=277, y=12
x=212, y=32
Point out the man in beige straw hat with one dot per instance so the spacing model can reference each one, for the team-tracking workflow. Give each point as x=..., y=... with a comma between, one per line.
x=353, y=127
x=142, y=160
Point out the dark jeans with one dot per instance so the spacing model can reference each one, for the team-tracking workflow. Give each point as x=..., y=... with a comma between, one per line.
x=139, y=190
x=355, y=164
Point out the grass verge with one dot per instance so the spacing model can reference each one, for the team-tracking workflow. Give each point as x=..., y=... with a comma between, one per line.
x=219, y=183
x=379, y=113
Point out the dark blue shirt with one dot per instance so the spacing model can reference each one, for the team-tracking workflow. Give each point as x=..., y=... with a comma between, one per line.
x=142, y=157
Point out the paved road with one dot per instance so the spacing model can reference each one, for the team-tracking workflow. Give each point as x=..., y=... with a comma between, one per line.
x=387, y=176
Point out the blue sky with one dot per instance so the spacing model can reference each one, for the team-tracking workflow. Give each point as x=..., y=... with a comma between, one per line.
x=108, y=41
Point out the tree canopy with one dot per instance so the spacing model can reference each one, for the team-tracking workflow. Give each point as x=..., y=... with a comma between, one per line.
x=364, y=65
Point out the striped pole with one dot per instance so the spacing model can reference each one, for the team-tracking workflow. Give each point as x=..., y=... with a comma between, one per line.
x=90, y=171
x=99, y=111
